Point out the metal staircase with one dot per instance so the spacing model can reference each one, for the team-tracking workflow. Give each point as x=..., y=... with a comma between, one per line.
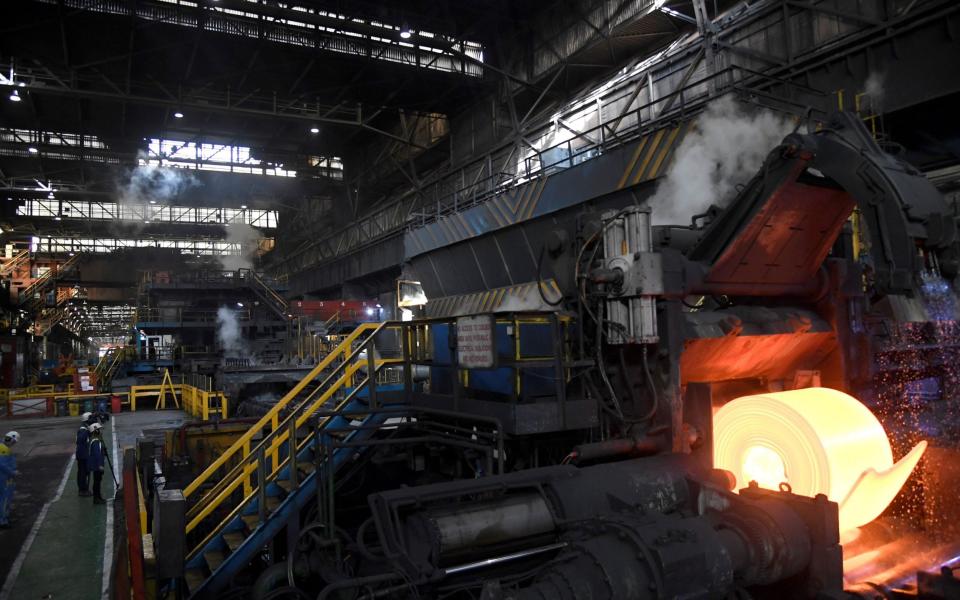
x=14, y=264
x=267, y=294
x=49, y=316
x=271, y=469
x=108, y=366
x=32, y=296
x=48, y=320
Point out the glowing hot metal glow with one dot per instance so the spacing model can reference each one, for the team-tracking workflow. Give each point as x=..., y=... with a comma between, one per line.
x=765, y=466
x=818, y=440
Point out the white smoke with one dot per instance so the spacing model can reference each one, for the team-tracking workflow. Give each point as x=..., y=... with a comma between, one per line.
x=725, y=149
x=873, y=90
x=147, y=183
x=248, y=239
x=229, y=335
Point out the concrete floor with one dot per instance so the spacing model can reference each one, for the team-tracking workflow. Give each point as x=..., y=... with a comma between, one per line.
x=65, y=558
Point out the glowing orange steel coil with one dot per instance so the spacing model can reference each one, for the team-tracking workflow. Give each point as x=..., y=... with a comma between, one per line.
x=818, y=440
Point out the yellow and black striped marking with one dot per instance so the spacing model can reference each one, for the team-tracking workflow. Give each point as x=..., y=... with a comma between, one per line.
x=652, y=155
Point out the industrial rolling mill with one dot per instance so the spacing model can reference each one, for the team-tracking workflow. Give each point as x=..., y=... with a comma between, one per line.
x=694, y=410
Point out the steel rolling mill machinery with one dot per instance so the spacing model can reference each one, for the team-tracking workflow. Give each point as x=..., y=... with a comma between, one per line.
x=704, y=410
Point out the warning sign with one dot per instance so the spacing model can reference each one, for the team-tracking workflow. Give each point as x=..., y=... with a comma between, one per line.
x=475, y=342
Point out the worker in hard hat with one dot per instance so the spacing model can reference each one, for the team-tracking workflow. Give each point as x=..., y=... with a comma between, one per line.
x=82, y=453
x=8, y=470
x=95, y=458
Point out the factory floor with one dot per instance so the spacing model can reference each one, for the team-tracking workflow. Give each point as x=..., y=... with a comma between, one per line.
x=58, y=540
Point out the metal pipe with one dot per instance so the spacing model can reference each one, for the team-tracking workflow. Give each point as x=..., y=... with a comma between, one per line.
x=617, y=447
x=489, y=562
x=460, y=528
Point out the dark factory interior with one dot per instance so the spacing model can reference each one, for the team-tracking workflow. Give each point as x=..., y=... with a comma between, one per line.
x=480, y=300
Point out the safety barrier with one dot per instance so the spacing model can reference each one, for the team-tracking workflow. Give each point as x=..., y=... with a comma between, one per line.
x=198, y=403
x=40, y=400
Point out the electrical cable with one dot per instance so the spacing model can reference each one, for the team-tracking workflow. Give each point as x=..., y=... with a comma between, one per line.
x=362, y=544
x=285, y=592
x=540, y=281
x=653, y=389
x=601, y=367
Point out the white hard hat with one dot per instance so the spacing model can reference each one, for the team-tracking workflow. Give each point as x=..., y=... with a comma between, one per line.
x=11, y=437
x=95, y=427
x=86, y=416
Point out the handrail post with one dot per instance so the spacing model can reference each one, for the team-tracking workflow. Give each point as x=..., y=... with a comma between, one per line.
x=371, y=372
x=407, y=368
x=319, y=449
x=261, y=485
x=245, y=473
x=292, y=453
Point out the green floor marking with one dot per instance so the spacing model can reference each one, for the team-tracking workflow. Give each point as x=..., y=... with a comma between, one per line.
x=65, y=561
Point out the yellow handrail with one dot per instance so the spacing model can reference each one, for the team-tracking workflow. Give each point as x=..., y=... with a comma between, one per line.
x=196, y=402
x=272, y=416
x=244, y=469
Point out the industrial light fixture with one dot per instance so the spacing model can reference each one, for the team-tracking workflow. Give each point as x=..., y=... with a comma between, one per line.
x=240, y=304
x=15, y=96
x=178, y=115
x=50, y=195
x=32, y=150
x=314, y=130
x=243, y=206
x=405, y=32
x=58, y=218
x=153, y=202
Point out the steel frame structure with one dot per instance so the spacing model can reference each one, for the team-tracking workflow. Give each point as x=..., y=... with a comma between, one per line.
x=264, y=21
x=191, y=154
x=653, y=91
x=303, y=26
x=64, y=245
x=146, y=213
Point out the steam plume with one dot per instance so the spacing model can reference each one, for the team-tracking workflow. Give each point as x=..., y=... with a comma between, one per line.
x=874, y=90
x=725, y=149
x=228, y=333
x=160, y=184
x=247, y=237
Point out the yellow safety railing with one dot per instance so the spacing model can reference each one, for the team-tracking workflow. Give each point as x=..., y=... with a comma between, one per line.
x=197, y=403
x=264, y=454
x=46, y=391
x=118, y=357
x=109, y=364
x=8, y=396
x=202, y=403
x=275, y=433
x=104, y=360
x=272, y=417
